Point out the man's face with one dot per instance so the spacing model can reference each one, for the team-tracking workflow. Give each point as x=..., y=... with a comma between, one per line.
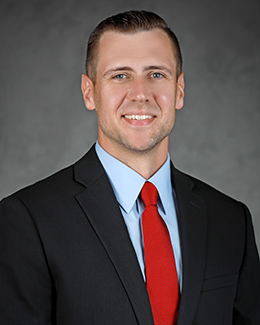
x=136, y=91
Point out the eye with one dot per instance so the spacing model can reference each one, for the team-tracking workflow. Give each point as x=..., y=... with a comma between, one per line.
x=119, y=76
x=156, y=75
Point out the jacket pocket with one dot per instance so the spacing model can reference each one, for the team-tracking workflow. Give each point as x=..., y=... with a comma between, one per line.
x=220, y=282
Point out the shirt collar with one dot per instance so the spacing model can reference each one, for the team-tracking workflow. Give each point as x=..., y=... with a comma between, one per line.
x=162, y=181
x=127, y=183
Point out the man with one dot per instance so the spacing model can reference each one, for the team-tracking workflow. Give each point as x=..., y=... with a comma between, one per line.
x=76, y=248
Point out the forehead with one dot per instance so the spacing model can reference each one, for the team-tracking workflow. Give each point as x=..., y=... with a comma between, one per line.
x=122, y=48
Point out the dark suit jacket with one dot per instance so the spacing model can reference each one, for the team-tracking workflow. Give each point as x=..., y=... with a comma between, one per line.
x=66, y=257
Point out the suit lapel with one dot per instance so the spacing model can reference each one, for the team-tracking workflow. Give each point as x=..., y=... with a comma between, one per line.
x=101, y=208
x=191, y=211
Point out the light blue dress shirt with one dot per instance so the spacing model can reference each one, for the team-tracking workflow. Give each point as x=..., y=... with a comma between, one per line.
x=127, y=185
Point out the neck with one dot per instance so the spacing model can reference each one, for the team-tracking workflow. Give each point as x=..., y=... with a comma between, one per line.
x=145, y=163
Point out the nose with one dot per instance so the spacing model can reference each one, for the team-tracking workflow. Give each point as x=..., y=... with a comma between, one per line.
x=139, y=90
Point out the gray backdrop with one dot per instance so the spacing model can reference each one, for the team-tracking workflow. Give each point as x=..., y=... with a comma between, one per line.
x=43, y=123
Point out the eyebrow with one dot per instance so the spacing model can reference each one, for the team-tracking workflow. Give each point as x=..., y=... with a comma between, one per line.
x=117, y=69
x=159, y=67
x=150, y=67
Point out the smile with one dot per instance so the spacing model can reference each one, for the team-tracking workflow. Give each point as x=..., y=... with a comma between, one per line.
x=138, y=117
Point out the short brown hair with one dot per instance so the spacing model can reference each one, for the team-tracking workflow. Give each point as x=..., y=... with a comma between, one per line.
x=129, y=22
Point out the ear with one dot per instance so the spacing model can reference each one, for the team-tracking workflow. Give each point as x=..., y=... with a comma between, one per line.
x=180, y=92
x=87, y=89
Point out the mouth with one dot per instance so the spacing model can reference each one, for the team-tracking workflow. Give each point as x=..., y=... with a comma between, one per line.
x=138, y=117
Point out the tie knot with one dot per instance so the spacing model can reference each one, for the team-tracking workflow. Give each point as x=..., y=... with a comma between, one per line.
x=149, y=194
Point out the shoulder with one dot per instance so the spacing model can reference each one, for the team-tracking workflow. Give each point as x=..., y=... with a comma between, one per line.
x=55, y=182
x=67, y=180
x=61, y=185
x=214, y=199
x=44, y=195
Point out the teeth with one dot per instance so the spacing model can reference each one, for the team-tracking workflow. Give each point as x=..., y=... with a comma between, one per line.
x=138, y=117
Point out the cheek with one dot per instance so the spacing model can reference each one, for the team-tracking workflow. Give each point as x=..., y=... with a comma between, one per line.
x=166, y=102
x=112, y=97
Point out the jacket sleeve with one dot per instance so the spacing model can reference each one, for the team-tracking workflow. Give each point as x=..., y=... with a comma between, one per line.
x=247, y=302
x=25, y=281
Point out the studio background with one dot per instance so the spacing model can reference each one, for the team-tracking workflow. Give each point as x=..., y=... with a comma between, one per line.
x=44, y=125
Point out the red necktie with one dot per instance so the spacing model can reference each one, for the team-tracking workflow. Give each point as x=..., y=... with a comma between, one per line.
x=161, y=276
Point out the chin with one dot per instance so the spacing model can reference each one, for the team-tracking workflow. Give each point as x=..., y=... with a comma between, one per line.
x=142, y=148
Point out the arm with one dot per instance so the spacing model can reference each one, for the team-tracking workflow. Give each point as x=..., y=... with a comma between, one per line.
x=25, y=282
x=247, y=302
